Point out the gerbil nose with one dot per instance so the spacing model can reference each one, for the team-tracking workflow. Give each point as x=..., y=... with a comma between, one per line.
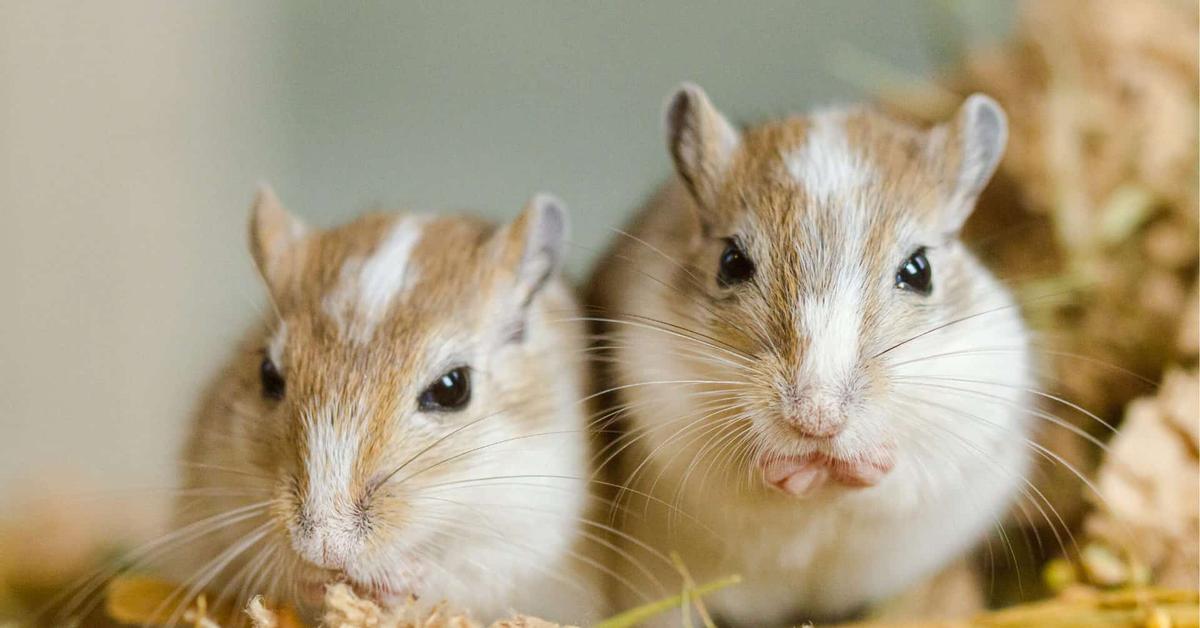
x=816, y=414
x=326, y=542
x=333, y=555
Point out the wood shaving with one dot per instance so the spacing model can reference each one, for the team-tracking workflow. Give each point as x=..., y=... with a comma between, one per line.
x=1076, y=68
x=1080, y=607
x=344, y=609
x=1096, y=201
x=1102, y=96
x=1149, y=484
x=1188, y=341
x=1098, y=189
x=140, y=600
x=260, y=615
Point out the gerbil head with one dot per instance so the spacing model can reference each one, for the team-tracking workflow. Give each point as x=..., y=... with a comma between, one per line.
x=405, y=351
x=817, y=244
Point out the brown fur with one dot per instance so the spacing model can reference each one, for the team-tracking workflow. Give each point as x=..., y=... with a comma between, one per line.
x=466, y=273
x=746, y=344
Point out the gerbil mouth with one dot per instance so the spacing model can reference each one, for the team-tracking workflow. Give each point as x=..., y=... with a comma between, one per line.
x=800, y=476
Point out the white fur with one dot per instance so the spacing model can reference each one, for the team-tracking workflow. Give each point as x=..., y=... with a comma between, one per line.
x=389, y=272
x=833, y=326
x=489, y=519
x=504, y=543
x=513, y=550
x=828, y=554
x=367, y=288
x=333, y=444
x=831, y=174
x=826, y=165
x=959, y=457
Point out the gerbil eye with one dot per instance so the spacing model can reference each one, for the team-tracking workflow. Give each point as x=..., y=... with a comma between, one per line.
x=272, y=382
x=915, y=274
x=735, y=267
x=451, y=391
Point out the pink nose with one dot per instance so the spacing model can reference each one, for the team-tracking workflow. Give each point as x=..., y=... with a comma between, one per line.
x=328, y=542
x=323, y=550
x=809, y=430
x=817, y=417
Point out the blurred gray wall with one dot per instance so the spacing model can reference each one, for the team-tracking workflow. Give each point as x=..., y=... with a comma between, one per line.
x=132, y=135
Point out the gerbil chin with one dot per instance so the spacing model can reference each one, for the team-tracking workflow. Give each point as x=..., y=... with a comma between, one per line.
x=408, y=421
x=822, y=389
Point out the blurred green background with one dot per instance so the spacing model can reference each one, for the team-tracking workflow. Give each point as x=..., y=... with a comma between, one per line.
x=132, y=136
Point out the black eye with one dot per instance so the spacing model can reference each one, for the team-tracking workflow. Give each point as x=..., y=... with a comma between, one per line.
x=915, y=274
x=735, y=267
x=451, y=391
x=272, y=381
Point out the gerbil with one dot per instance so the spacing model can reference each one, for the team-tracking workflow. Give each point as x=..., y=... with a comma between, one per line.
x=809, y=362
x=408, y=421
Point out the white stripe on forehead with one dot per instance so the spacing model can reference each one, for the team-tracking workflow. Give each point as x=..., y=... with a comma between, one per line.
x=826, y=165
x=367, y=288
x=834, y=177
x=388, y=272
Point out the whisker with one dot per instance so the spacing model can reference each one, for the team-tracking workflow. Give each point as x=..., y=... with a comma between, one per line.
x=205, y=574
x=86, y=586
x=643, y=322
x=1039, y=449
x=591, y=481
x=962, y=319
x=1041, y=351
x=1026, y=389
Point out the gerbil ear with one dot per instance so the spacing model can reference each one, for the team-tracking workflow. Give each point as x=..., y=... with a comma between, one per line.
x=701, y=141
x=534, y=246
x=274, y=234
x=531, y=251
x=978, y=136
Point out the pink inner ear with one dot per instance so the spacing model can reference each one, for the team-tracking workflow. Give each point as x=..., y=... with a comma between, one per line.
x=701, y=141
x=274, y=236
x=982, y=134
x=541, y=232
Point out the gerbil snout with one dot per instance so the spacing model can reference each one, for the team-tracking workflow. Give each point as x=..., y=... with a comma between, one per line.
x=329, y=539
x=815, y=413
x=829, y=449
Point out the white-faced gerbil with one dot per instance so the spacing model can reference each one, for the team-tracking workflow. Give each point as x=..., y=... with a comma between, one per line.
x=408, y=421
x=797, y=342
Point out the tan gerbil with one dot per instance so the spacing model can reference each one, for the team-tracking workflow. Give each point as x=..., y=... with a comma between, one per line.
x=409, y=421
x=809, y=362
